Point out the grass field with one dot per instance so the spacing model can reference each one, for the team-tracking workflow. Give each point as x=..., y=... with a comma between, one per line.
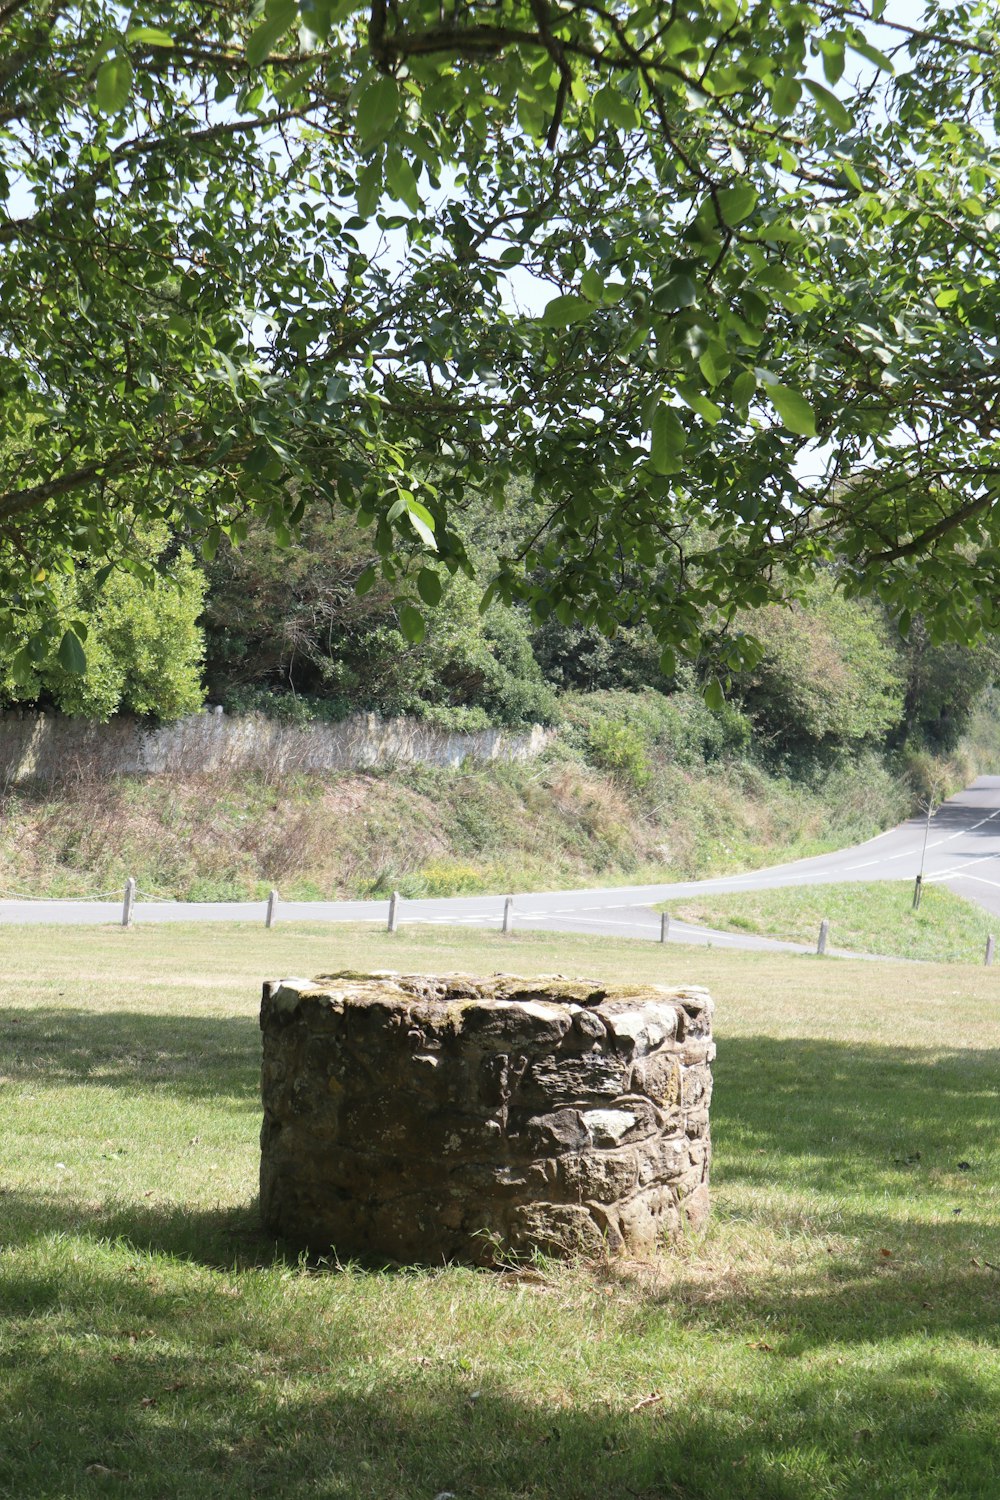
x=833, y=1333
x=865, y=917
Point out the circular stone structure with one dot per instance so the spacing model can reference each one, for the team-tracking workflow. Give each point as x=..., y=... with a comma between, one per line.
x=422, y=1118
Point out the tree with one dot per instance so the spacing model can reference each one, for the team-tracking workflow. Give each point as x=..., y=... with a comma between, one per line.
x=944, y=683
x=830, y=676
x=144, y=645
x=255, y=265
x=287, y=631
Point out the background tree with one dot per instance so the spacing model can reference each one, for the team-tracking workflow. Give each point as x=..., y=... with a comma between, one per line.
x=829, y=677
x=943, y=683
x=288, y=632
x=143, y=640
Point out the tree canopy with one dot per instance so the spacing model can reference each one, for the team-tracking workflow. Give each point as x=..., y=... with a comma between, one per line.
x=719, y=279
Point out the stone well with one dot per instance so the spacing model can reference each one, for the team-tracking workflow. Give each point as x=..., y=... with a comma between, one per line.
x=438, y=1118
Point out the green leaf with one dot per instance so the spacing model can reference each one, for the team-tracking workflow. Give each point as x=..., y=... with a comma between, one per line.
x=592, y=284
x=72, y=657
x=714, y=697
x=836, y=112
x=668, y=662
x=737, y=203
x=714, y=363
x=402, y=182
x=700, y=403
x=744, y=387
x=260, y=43
x=429, y=586
x=832, y=49
x=864, y=48
x=658, y=441
x=562, y=311
x=786, y=94
x=21, y=668
x=422, y=522
x=675, y=293
x=366, y=581
x=794, y=410
x=412, y=624
x=114, y=85
x=667, y=439
x=153, y=36
x=369, y=188
x=378, y=107
x=610, y=104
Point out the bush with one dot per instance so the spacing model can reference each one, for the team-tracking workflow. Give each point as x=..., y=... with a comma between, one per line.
x=680, y=729
x=289, y=622
x=620, y=748
x=144, y=645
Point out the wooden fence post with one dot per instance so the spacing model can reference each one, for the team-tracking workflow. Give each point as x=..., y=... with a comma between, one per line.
x=664, y=926
x=508, y=916
x=990, y=945
x=128, y=902
x=393, y=917
x=272, y=909
x=824, y=932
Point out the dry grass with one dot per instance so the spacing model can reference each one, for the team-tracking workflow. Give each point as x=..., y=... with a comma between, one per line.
x=554, y=822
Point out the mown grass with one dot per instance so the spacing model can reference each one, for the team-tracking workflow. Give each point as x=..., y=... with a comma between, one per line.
x=833, y=1334
x=865, y=917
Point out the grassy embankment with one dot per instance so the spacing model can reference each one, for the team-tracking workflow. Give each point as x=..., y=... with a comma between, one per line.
x=833, y=1334
x=556, y=822
x=864, y=918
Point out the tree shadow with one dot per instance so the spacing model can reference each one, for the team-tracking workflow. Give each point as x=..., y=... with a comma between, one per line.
x=191, y=1057
x=866, y=1375
x=821, y=1113
x=160, y=1398
x=221, y=1239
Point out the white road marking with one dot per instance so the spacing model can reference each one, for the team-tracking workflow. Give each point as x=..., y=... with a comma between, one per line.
x=984, y=859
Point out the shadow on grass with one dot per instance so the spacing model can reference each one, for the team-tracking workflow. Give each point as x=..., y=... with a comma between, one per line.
x=191, y=1057
x=862, y=1375
x=830, y=1118
x=220, y=1239
x=128, y=1386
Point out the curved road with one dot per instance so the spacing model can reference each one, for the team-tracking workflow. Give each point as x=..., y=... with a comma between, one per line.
x=962, y=852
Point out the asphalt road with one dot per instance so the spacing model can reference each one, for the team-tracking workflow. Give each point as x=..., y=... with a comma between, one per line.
x=962, y=851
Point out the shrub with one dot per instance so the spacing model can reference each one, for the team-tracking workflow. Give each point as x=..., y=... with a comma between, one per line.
x=621, y=748
x=678, y=728
x=144, y=645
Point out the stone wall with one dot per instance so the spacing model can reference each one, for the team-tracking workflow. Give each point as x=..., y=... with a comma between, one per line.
x=44, y=747
x=422, y=1119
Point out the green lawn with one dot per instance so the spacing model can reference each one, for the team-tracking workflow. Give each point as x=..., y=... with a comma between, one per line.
x=833, y=1334
x=875, y=917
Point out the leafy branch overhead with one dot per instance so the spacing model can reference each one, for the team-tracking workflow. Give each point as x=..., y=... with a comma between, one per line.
x=720, y=280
